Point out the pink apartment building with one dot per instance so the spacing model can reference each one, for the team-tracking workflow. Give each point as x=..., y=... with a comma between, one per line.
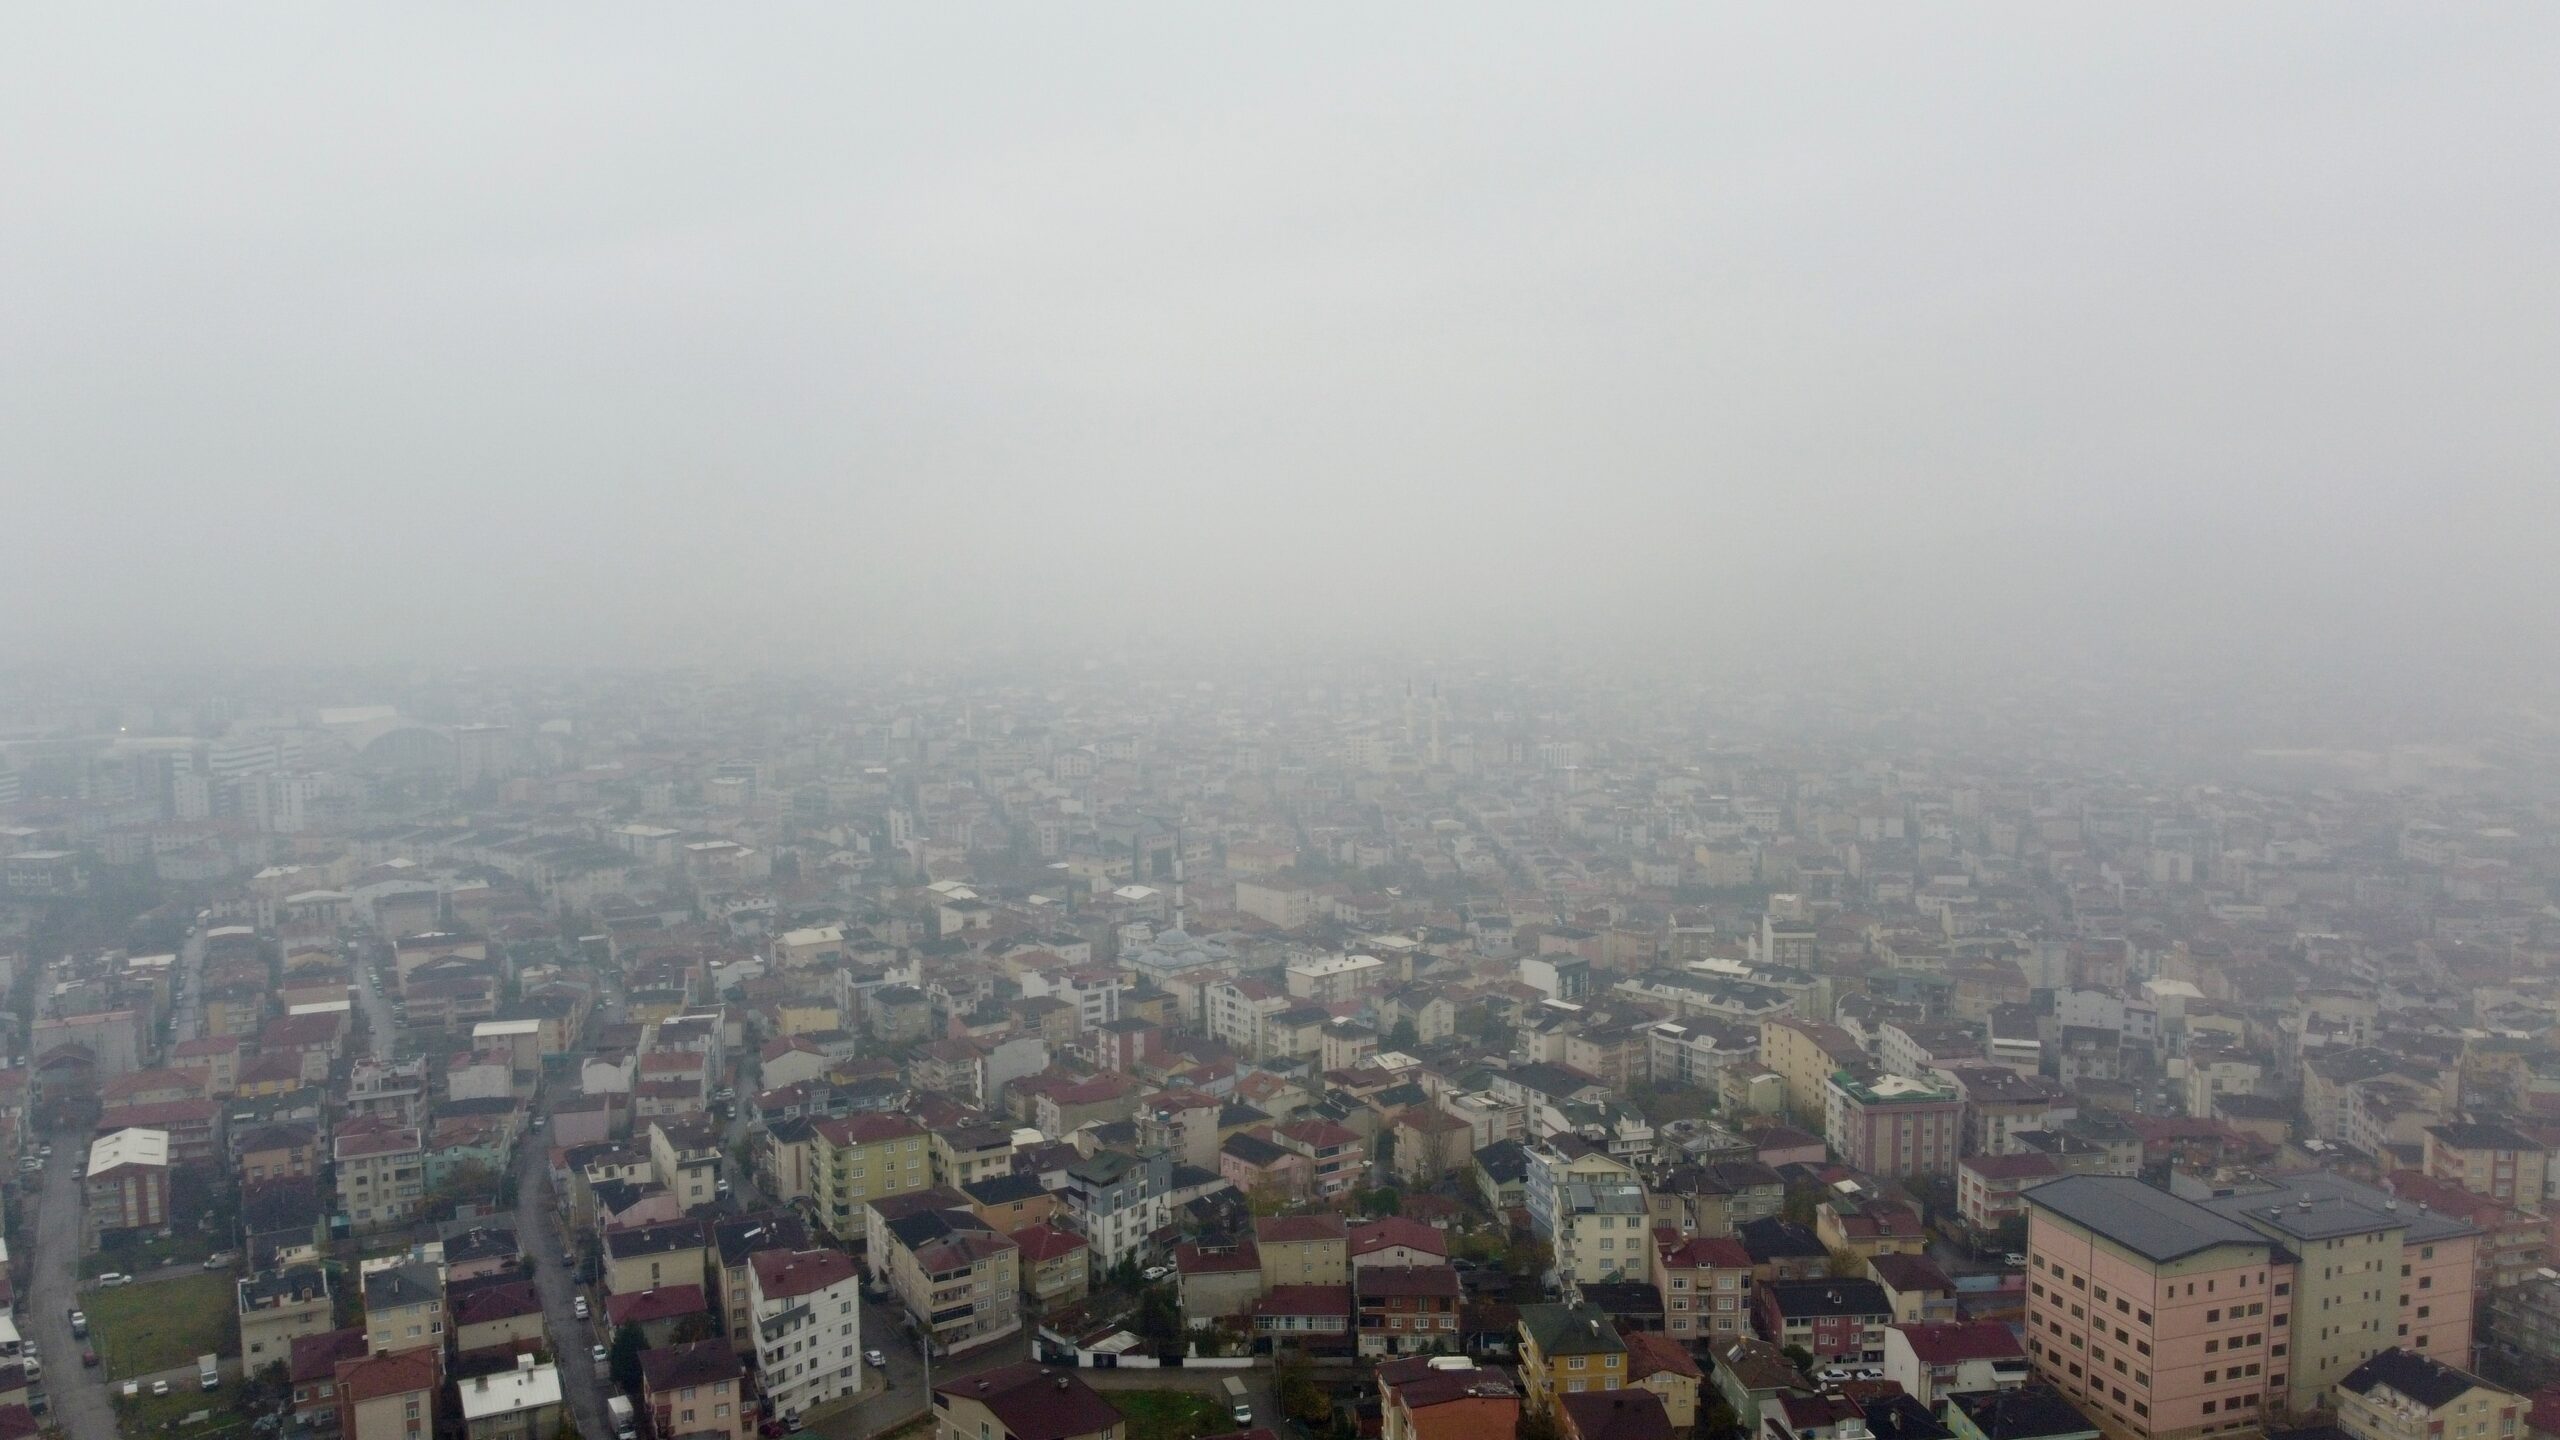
x=2177, y=1319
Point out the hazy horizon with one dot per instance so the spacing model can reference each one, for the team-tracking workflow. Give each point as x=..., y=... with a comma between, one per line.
x=640, y=336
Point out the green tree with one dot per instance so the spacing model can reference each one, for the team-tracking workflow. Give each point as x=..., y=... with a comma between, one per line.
x=628, y=1344
x=1301, y=1398
x=1846, y=1265
x=1801, y=1358
x=1402, y=1036
x=1385, y=1200
x=1534, y=1425
x=1800, y=1205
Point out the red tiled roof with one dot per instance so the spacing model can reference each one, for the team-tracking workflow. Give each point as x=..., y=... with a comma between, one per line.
x=1281, y=1229
x=781, y=1273
x=1305, y=1300
x=1652, y=1353
x=372, y=1377
x=1394, y=1230
x=1947, y=1343
x=665, y=1302
x=2027, y=1166
x=1217, y=1260
x=1046, y=1242
x=316, y=1357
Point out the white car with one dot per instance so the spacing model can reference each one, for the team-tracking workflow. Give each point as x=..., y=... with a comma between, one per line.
x=1155, y=1272
x=113, y=1278
x=581, y=1307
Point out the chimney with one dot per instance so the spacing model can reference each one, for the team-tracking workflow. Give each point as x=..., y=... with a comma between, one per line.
x=524, y=1362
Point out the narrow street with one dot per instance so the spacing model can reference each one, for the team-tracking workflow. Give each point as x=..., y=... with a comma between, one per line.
x=573, y=1338
x=377, y=1011
x=79, y=1396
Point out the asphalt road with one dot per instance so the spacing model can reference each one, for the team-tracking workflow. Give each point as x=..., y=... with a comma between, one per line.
x=572, y=1337
x=79, y=1396
x=377, y=1011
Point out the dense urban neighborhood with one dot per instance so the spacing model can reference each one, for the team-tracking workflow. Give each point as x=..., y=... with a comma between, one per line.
x=1113, y=1057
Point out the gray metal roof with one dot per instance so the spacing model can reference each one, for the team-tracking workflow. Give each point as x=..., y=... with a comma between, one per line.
x=2321, y=1206
x=2151, y=1223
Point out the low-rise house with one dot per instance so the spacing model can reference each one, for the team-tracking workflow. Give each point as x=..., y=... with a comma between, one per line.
x=1658, y=1363
x=1406, y=1308
x=1217, y=1281
x=654, y=1255
x=388, y=1397
x=2032, y=1412
x=1635, y=1414
x=1834, y=1319
x=1302, y=1249
x=1023, y=1402
x=1934, y=1361
x=278, y=1308
x=1444, y=1398
x=1752, y=1374
x=404, y=1308
x=518, y=1404
x=1055, y=1264
x=1915, y=1287
x=1566, y=1350
x=2403, y=1395
x=312, y=1370
x=1009, y=1202
x=495, y=1316
x=660, y=1312
x=1314, y=1318
x=1397, y=1241
x=696, y=1390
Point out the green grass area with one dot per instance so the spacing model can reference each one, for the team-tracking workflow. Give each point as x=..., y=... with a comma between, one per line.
x=1170, y=1414
x=149, y=1414
x=185, y=1249
x=138, y=1329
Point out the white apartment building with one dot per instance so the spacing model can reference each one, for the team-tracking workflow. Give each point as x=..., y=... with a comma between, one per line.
x=1237, y=1009
x=806, y=1309
x=1336, y=977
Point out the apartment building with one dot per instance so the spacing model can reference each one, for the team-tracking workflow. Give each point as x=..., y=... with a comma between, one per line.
x=2489, y=1160
x=1893, y=1125
x=382, y=1176
x=1117, y=1201
x=2403, y=1395
x=2260, y=1299
x=697, y=1390
x=1804, y=1055
x=2152, y=1310
x=808, y=1326
x=1568, y=1350
x=861, y=1158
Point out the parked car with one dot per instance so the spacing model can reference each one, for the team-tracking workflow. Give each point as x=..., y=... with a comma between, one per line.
x=114, y=1278
x=159, y=1387
x=1155, y=1272
x=581, y=1307
x=603, y=1357
x=875, y=1359
x=79, y=1324
x=217, y=1260
x=88, y=1359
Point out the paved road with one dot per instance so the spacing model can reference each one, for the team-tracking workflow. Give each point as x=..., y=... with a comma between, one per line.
x=893, y=1396
x=539, y=1233
x=377, y=1011
x=79, y=1397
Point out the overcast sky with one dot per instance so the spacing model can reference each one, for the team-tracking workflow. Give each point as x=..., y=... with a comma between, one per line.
x=624, y=332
